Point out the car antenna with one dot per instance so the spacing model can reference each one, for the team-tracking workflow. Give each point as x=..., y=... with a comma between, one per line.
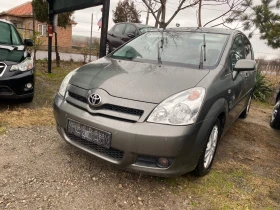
x=202, y=53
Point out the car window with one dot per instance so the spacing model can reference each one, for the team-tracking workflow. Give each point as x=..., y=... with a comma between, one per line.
x=144, y=30
x=119, y=28
x=237, y=52
x=9, y=35
x=130, y=29
x=248, y=49
x=174, y=48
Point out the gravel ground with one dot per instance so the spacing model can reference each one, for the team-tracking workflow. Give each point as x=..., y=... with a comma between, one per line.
x=38, y=170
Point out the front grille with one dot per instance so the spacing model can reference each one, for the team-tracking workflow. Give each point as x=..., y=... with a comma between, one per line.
x=122, y=109
x=5, y=91
x=111, y=153
x=2, y=68
x=77, y=97
x=111, y=107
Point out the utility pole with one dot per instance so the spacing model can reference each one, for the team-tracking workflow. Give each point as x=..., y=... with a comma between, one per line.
x=90, y=44
x=148, y=12
x=199, y=13
x=104, y=27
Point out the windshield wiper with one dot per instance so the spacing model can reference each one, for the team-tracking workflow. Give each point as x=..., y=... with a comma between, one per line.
x=202, y=50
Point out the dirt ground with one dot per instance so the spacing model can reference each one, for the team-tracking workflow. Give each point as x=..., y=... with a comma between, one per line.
x=38, y=170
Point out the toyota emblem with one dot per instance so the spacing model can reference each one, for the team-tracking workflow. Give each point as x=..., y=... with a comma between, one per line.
x=94, y=99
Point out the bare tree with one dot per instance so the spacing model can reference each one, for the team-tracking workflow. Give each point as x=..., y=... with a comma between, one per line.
x=158, y=10
x=233, y=7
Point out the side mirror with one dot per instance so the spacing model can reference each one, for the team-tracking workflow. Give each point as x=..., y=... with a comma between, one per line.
x=245, y=65
x=28, y=42
x=131, y=35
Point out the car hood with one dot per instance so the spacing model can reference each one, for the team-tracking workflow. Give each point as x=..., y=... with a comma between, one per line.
x=136, y=81
x=9, y=53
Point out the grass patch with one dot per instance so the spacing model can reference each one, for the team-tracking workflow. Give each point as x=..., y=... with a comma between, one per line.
x=2, y=130
x=27, y=117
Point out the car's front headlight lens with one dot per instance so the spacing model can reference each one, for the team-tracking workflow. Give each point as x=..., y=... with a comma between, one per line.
x=65, y=82
x=25, y=65
x=179, y=109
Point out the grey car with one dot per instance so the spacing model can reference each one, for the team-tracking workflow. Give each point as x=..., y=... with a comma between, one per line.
x=161, y=102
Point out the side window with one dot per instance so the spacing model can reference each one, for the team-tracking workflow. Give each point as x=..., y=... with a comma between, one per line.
x=130, y=29
x=119, y=28
x=237, y=52
x=248, y=48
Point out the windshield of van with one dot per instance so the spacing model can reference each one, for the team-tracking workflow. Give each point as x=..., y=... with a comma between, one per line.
x=9, y=35
x=174, y=48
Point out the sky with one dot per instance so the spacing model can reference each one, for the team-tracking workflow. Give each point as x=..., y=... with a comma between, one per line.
x=186, y=18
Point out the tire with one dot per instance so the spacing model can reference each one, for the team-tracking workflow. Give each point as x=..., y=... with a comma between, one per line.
x=27, y=100
x=245, y=113
x=209, y=150
x=275, y=116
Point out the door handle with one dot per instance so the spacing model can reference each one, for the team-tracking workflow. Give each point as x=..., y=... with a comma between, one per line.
x=246, y=75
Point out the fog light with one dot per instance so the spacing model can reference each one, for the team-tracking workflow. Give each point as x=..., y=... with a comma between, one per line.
x=163, y=162
x=28, y=85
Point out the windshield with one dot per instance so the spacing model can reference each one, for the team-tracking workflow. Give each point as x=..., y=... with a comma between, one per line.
x=174, y=48
x=9, y=35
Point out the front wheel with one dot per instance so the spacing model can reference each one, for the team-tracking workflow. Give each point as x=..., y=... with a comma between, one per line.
x=275, y=116
x=206, y=159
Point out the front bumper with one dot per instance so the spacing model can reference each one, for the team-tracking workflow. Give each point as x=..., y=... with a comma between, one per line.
x=13, y=86
x=182, y=144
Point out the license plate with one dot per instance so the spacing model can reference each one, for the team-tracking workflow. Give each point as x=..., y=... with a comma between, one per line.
x=90, y=134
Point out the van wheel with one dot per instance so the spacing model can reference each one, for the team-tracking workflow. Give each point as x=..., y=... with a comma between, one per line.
x=275, y=116
x=245, y=113
x=206, y=159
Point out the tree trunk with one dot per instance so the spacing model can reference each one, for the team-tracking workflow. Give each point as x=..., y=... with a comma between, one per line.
x=162, y=21
x=158, y=15
x=148, y=13
x=57, y=57
x=199, y=14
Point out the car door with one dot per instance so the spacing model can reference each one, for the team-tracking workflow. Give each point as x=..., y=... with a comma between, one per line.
x=250, y=76
x=129, y=32
x=117, y=34
x=234, y=81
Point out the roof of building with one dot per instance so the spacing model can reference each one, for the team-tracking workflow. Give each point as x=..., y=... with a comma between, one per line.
x=22, y=10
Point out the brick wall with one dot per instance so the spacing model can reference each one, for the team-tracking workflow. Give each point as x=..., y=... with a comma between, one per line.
x=64, y=35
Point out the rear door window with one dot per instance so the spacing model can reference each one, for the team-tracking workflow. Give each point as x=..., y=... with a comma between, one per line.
x=130, y=29
x=119, y=29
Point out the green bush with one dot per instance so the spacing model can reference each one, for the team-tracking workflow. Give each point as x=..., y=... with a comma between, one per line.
x=263, y=89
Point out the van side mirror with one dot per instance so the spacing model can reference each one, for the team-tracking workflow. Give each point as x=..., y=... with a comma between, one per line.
x=131, y=35
x=28, y=42
x=245, y=65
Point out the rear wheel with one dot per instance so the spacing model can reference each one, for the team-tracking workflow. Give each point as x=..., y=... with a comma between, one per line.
x=206, y=159
x=275, y=116
x=245, y=113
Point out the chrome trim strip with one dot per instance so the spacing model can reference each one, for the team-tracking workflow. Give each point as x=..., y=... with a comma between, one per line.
x=5, y=67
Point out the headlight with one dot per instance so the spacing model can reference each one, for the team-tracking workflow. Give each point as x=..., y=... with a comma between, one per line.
x=179, y=109
x=65, y=82
x=25, y=65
